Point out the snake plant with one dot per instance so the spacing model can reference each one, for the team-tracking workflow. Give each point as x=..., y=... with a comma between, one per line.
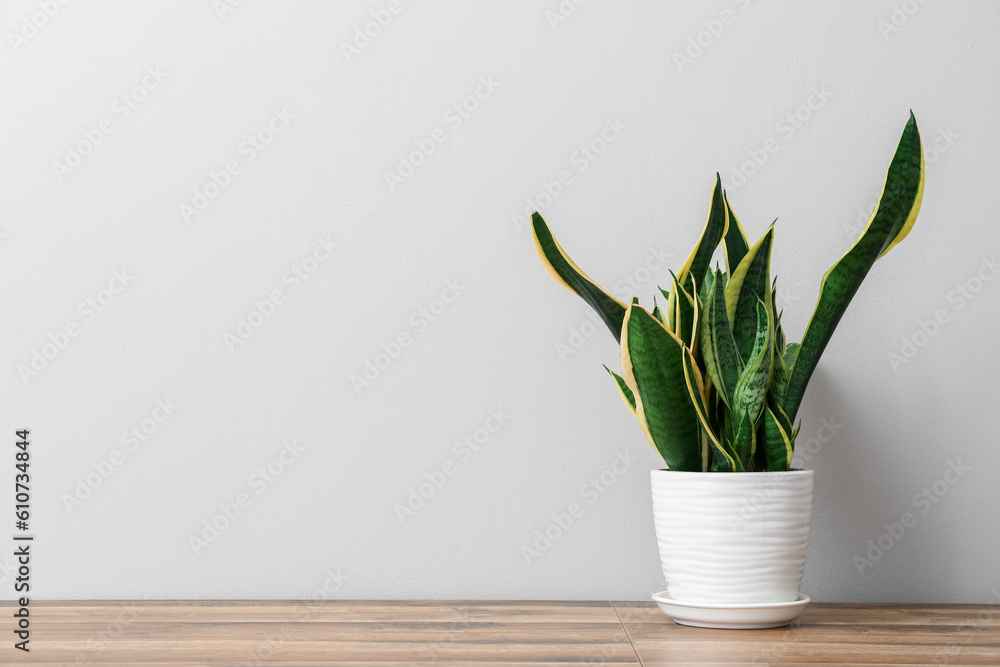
x=709, y=375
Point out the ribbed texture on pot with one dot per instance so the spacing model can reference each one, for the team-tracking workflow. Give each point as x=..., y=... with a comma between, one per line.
x=732, y=537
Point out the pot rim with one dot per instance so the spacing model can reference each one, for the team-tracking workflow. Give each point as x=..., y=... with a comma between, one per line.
x=757, y=473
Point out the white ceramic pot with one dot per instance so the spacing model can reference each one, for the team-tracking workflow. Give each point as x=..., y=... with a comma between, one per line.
x=732, y=538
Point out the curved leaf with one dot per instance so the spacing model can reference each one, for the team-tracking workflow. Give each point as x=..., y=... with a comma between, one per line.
x=894, y=215
x=565, y=271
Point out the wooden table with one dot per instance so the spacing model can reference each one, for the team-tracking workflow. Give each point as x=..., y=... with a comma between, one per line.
x=308, y=634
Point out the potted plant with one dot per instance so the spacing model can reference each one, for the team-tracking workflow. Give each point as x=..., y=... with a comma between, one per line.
x=716, y=389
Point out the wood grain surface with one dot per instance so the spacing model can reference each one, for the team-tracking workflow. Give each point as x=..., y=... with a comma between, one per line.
x=309, y=634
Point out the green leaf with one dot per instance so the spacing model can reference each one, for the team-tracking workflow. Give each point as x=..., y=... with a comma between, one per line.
x=744, y=439
x=779, y=334
x=779, y=377
x=749, y=285
x=653, y=367
x=736, y=243
x=718, y=348
x=777, y=444
x=706, y=286
x=791, y=352
x=684, y=320
x=891, y=221
x=724, y=459
x=716, y=224
x=658, y=313
x=627, y=396
x=779, y=369
x=751, y=389
x=783, y=419
x=565, y=271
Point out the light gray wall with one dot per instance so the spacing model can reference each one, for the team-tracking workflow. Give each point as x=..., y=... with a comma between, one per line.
x=330, y=520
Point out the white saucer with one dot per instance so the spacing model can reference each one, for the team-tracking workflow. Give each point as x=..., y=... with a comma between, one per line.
x=754, y=616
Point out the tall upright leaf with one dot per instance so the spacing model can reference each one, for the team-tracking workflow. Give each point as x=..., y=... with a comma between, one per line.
x=684, y=320
x=565, y=271
x=779, y=334
x=716, y=225
x=736, y=243
x=749, y=285
x=891, y=221
x=718, y=348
